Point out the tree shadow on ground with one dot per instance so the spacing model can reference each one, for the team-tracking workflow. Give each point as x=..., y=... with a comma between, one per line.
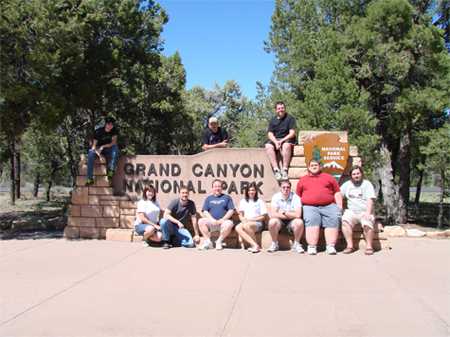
x=30, y=235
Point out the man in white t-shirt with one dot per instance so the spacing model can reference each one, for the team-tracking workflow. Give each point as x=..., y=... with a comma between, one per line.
x=286, y=217
x=360, y=196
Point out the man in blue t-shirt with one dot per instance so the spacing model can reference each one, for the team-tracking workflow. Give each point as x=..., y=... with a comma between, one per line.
x=175, y=219
x=104, y=142
x=281, y=133
x=218, y=210
x=214, y=137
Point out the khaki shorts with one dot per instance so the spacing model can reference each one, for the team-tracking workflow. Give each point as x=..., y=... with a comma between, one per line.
x=353, y=218
x=216, y=228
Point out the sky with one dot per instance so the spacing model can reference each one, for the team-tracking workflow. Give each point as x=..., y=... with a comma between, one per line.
x=220, y=41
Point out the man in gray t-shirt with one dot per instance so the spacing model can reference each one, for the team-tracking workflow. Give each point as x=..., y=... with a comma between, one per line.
x=175, y=219
x=360, y=196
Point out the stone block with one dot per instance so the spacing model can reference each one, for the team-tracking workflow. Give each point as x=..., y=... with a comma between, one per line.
x=94, y=200
x=91, y=211
x=102, y=181
x=440, y=235
x=102, y=234
x=81, y=222
x=75, y=210
x=118, y=234
x=107, y=222
x=127, y=221
x=298, y=162
x=99, y=170
x=395, y=230
x=109, y=202
x=80, y=195
x=128, y=204
x=115, y=198
x=353, y=151
x=71, y=232
x=101, y=190
x=89, y=233
x=82, y=169
x=299, y=151
x=111, y=211
x=129, y=211
x=80, y=181
x=297, y=173
x=307, y=136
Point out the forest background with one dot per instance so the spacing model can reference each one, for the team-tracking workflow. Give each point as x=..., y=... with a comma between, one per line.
x=378, y=69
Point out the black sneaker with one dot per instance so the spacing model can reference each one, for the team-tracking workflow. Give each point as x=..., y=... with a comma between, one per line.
x=166, y=245
x=89, y=182
x=110, y=175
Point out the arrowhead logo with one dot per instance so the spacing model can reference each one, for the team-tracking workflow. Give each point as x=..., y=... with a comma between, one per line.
x=333, y=155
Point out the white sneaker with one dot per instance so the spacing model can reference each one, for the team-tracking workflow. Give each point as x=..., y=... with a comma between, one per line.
x=284, y=175
x=298, y=248
x=145, y=243
x=206, y=245
x=273, y=248
x=254, y=249
x=312, y=250
x=219, y=245
x=277, y=175
x=331, y=250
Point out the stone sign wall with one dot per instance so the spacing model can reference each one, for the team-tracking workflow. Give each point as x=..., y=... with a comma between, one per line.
x=110, y=206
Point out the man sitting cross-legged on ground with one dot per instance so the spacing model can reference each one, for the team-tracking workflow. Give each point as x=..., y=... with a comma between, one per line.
x=175, y=219
x=104, y=142
x=360, y=196
x=286, y=213
x=218, y=210
x=322, y=206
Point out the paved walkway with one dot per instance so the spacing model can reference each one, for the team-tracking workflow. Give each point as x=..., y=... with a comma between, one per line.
x=55, y=287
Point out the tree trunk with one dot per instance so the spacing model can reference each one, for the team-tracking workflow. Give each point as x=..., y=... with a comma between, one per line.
x=17, y=173
x=37, y=181
x=419, y=188
x=384, y=171
x=12, y=189
x=50, y=183
x=441, y=201
x=404, y=175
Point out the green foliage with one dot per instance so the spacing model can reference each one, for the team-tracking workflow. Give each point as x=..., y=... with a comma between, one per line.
x=377, y=69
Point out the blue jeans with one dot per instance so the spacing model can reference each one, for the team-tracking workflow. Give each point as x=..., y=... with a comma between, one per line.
x=113, y=151
x=182, y=236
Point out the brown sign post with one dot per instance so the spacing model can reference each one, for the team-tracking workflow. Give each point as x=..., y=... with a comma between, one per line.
x=331, y=153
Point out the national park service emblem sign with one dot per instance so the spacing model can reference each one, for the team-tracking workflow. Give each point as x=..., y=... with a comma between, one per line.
x=331, y=153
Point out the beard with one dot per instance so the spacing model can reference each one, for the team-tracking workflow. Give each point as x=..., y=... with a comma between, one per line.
x=357, y=181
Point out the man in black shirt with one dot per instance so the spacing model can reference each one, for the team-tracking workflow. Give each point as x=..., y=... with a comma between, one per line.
x=104, y=142
x=281, y=134
x=214, y=137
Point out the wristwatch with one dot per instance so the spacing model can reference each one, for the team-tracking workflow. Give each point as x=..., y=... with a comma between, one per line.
x=284, y=212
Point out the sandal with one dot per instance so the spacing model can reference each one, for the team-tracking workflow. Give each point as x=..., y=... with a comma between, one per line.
x=348, y=250
x=369, y=251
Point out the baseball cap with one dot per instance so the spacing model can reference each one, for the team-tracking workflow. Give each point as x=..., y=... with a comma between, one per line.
x=110, y=119
x=213, y=120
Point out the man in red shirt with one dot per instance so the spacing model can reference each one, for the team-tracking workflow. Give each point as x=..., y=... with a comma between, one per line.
x=322, y=206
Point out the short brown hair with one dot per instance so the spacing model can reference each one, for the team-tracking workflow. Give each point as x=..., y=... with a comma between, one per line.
x=149, y=187
x=218, y=181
